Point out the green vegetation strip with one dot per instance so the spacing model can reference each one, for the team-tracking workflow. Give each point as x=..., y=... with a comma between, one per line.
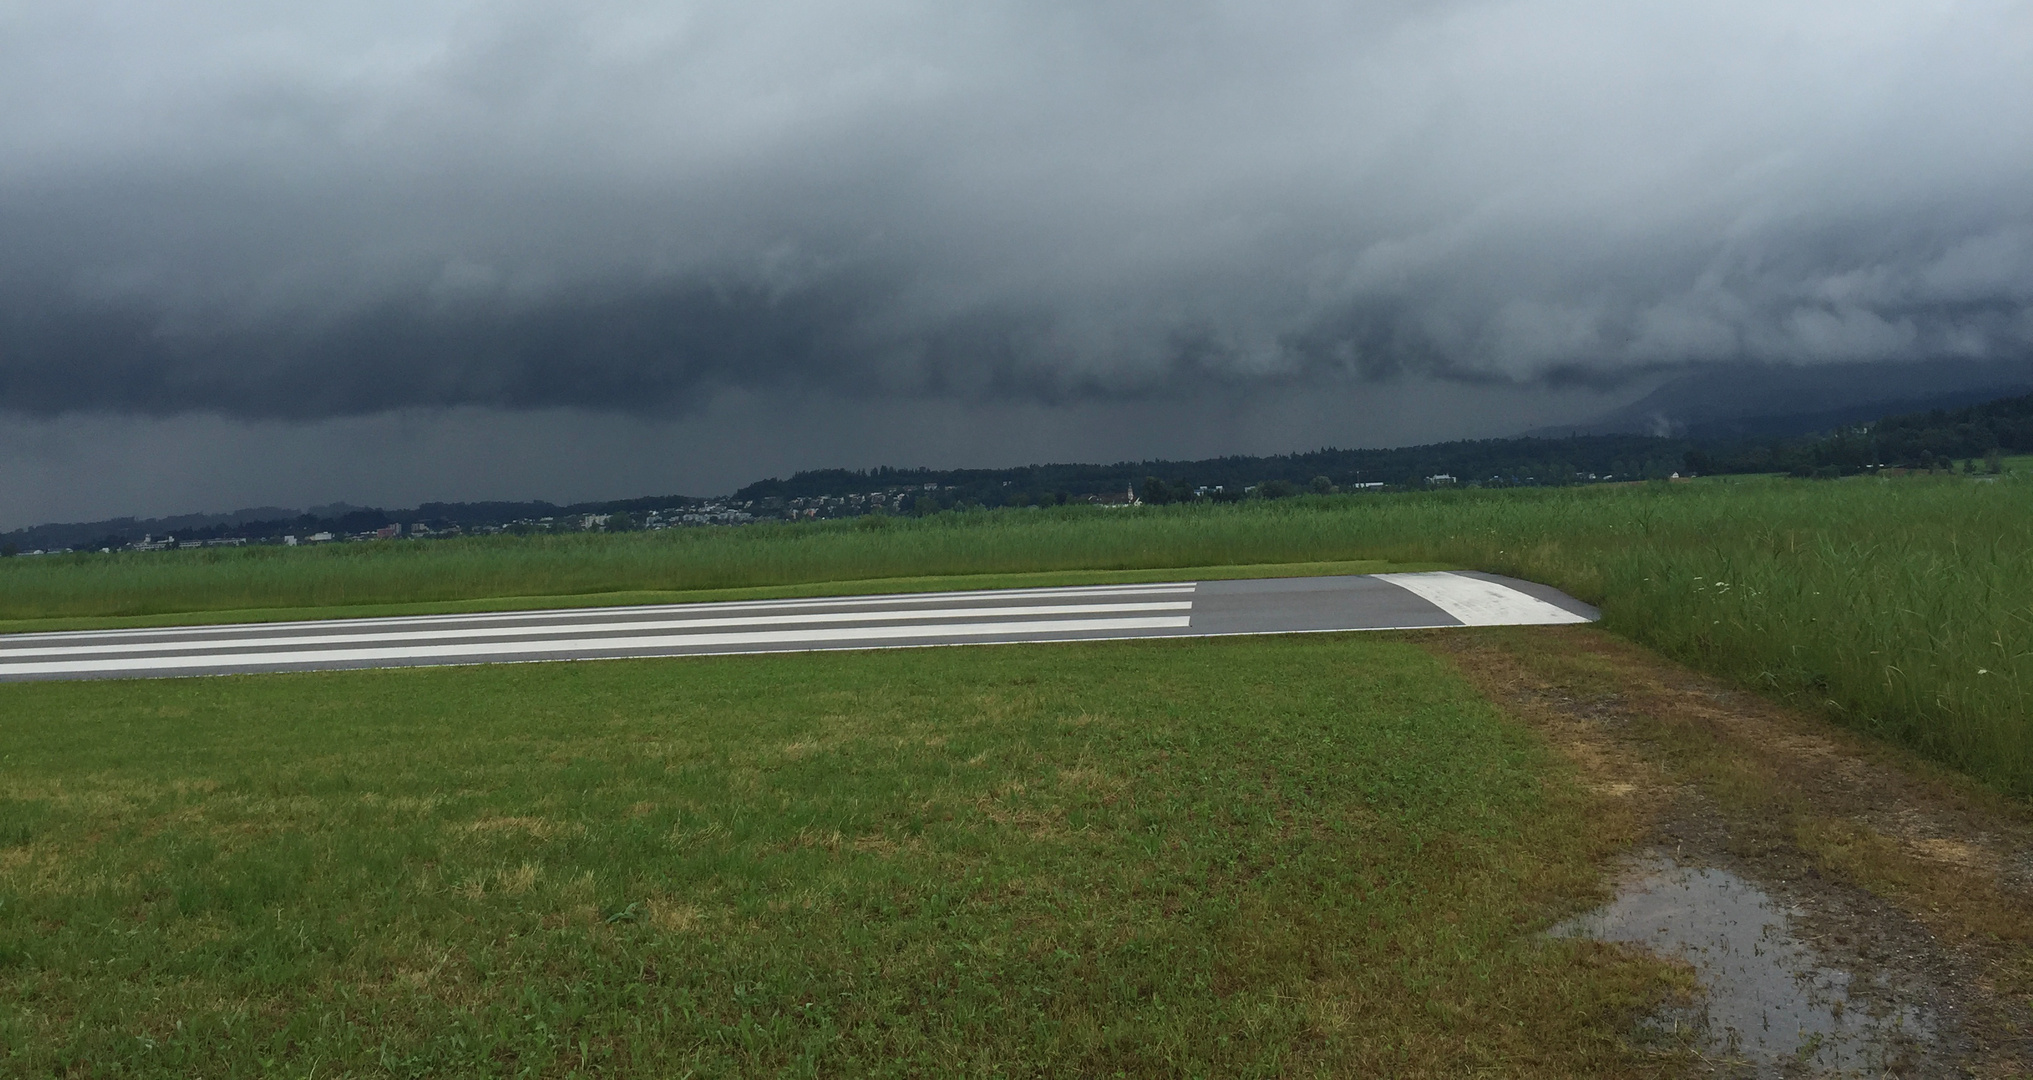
x=1901, y=605
x=1239, y=857
x=861, y=587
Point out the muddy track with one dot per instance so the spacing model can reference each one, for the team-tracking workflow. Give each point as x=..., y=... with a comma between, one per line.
x=1907, y=886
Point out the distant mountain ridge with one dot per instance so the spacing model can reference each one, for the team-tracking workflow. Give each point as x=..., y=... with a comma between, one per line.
x=1489, y=461
x=1720, y=402
x=1715, y=414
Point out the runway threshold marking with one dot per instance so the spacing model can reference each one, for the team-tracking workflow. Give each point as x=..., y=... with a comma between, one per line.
x=1478, y=602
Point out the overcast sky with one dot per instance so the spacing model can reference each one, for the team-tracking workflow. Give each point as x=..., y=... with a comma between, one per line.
x=279, y=252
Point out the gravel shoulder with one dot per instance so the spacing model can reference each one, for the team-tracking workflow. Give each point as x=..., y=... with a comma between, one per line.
x=1911, y=884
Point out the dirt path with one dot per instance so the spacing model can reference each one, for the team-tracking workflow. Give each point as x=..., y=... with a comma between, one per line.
x=1895, y=887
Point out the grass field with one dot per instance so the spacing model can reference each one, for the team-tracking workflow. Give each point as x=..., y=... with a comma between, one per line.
x=1902, y=605
x=1236, y=857
x=863, y=586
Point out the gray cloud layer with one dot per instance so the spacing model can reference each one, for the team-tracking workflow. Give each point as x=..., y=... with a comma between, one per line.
x=292, y=211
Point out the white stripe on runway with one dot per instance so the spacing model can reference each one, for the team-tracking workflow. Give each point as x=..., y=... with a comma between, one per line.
x=1481, y=603
x=595, y=645
x=554, y=615
x=580, y=628
x=1168, y=609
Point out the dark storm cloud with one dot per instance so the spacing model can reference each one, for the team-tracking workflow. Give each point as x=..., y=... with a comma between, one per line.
x=601, y=349
x=303, y=211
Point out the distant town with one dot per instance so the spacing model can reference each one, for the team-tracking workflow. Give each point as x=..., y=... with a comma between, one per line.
x=845, y=493
x=441, y=521
x=1970, y=439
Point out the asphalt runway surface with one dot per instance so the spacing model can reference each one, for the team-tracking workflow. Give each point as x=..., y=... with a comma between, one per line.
x=1082, y=613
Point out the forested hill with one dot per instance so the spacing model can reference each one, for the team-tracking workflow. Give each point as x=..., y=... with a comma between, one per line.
x=1923, y=440
x=1918, y=440
x=2006, y=424
x=1489, y=462
x=1915, y=440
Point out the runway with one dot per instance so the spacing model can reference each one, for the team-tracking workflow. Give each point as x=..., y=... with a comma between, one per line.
x=1082, y=613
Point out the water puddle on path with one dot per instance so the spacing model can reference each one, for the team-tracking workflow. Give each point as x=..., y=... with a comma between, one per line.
x=1770, y=1002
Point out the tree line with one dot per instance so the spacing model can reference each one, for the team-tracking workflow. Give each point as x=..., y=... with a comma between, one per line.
x=1977, y=437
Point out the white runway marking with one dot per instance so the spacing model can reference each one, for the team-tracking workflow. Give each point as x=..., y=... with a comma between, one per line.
x=553, y=629
x=509, y=650
x=1476, y=602
x=1079, y=613
x=381, y=623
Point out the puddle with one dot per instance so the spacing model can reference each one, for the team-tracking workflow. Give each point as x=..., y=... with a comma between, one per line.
x=1770, y=1000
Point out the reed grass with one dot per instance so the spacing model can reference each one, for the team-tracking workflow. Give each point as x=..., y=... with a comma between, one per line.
x=1903, y=606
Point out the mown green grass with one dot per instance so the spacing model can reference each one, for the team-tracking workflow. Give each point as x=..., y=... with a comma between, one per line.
x=577, y=566
x=863, y=586
x=1236, y=857
x=1903, y=605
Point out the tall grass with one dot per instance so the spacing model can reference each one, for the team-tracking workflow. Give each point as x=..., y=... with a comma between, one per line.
x=1903, y=606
